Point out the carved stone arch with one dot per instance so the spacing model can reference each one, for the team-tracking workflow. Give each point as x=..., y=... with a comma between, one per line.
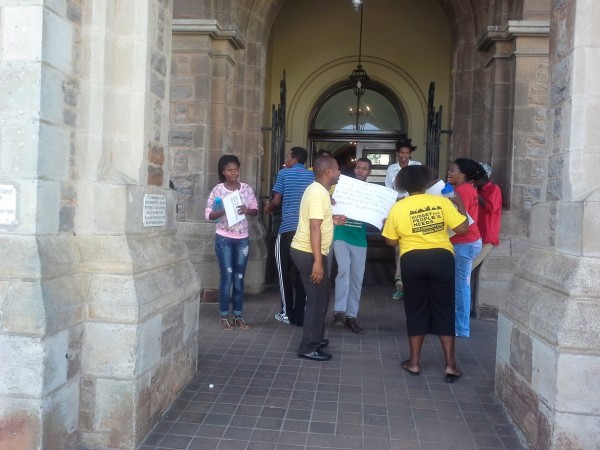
x=404, y=88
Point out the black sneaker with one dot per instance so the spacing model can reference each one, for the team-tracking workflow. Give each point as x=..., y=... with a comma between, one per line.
x=316, y=356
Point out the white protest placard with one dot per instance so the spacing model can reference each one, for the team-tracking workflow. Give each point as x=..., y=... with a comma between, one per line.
x=363, y=201
x=231, y=203
x=155, y=210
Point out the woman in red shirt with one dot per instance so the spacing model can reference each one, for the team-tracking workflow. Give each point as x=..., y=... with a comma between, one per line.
x=466, y=246
x=490, y=211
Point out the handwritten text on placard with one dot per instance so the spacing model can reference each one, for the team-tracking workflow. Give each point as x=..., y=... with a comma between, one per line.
x=363, y=201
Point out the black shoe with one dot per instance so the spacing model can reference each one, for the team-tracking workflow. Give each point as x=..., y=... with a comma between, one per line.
x=338, y=319
x=353, y=325
x=324, y=343
x=316, y=356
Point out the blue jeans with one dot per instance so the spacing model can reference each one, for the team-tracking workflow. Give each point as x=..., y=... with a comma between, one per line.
x=464, y=254
x=233, y=256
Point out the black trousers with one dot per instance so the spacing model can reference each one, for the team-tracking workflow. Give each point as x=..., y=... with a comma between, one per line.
x=428, y=279
x=317, y=302
x=289, y=280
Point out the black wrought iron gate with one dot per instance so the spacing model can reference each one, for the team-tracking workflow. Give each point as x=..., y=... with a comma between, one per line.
x=277, y=152
x=434, y=132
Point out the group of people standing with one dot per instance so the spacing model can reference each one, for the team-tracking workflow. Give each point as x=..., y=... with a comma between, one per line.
x=433, y=269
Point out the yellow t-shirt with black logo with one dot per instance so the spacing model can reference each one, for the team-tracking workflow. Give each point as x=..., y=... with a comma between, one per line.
x=315, y=204
x=421, y=221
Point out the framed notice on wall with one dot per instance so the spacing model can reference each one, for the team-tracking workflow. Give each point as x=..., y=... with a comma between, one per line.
x=8, y=204
x=155, y=210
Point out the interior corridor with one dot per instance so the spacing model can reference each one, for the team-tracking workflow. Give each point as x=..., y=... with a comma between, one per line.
x=264, y=397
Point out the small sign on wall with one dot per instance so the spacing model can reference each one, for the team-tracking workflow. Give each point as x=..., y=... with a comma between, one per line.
x=8, y=204
x=155, y=210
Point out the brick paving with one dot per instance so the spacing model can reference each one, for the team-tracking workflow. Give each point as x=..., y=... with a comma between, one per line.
x=264, y=397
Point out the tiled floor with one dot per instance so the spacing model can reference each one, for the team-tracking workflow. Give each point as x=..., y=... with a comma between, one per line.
x=251, y=390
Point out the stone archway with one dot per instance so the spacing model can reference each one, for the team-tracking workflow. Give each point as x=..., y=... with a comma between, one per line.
x=501, y=71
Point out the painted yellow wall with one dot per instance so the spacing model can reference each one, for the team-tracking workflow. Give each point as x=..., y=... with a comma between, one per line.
x=406, y=44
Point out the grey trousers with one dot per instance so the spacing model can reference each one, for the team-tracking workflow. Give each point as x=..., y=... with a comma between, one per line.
x=348, y=282
x=317, y=302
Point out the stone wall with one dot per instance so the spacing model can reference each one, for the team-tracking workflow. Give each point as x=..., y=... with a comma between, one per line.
x=548, y=353
x=98, y=313
x=212, y=113
x=42, y=310
x=512, y=113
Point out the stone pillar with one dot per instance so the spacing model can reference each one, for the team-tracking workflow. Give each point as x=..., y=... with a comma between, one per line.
x=141, y=292
x=98, y=313
x=548, y=354
x=209, y=119
x=514, y=116
x=41, y=303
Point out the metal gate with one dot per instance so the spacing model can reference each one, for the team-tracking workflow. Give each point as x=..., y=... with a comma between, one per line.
x=277, y=152
x=434, y=132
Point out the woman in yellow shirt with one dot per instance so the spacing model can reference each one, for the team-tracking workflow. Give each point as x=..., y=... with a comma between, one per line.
x=419, y=224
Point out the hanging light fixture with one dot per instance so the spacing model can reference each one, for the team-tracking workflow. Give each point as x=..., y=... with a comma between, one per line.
x=359, y=75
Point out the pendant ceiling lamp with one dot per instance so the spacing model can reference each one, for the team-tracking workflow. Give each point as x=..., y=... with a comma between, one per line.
x=359, y=75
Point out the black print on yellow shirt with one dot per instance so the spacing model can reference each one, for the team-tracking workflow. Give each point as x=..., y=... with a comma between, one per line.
x=427, y=220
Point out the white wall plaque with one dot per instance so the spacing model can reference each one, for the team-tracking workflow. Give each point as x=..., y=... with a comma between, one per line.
x=8, y=204
x=155, y=210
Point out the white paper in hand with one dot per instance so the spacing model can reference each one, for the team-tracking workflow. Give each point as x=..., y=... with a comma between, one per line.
x=231, y=203
x=436, y=189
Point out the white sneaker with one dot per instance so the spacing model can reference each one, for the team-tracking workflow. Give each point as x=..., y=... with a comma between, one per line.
x=282, y=318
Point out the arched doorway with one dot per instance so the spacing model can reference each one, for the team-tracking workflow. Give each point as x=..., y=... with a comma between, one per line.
x=350, y=126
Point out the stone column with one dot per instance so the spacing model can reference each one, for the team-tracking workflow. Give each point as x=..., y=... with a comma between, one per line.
x=98, y=312
x=514, y=113
x=207, y=120
x=141, y=292
x=548, y=354
x=42, y=308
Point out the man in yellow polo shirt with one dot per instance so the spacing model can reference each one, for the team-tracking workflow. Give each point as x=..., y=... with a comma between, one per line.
x=309, y=251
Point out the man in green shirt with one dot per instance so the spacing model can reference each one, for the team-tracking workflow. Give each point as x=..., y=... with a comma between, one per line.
x=350, y=250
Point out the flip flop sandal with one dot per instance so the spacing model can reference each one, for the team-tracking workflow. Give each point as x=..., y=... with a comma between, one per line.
x=225, y=325
x=414, y=373
x=451, y=377
x=242, y=323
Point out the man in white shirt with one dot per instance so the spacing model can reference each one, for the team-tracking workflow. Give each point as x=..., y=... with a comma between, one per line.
x=404, y=149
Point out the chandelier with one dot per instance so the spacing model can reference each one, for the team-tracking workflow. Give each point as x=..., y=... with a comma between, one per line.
x=359, y=75
x=359, y=111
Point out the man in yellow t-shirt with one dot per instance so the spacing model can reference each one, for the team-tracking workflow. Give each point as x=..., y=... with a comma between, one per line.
x=309, y=251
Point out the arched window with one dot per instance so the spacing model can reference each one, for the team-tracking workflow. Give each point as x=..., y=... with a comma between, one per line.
x=340, y=113
x=349, y=127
